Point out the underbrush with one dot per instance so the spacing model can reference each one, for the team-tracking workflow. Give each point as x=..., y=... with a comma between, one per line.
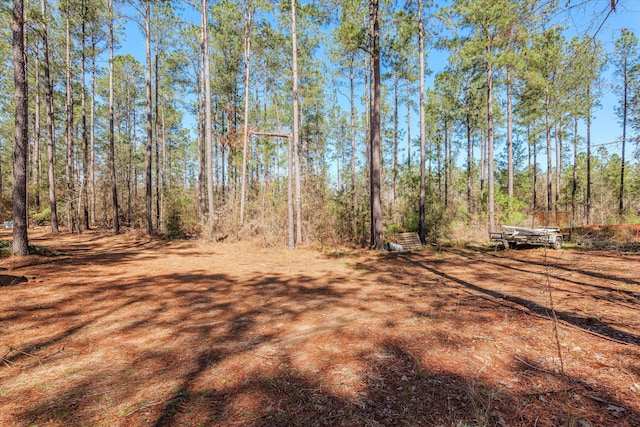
x=620, y=237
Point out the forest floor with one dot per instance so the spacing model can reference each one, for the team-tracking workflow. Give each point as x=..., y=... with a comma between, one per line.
x=133, y=331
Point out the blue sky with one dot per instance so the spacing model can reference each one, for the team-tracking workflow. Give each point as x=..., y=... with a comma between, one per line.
x=589, y=18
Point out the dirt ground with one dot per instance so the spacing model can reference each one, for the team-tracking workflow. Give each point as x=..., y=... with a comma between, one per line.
x=134, y=331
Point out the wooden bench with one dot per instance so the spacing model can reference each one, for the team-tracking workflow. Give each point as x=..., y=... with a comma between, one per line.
x=409, y=241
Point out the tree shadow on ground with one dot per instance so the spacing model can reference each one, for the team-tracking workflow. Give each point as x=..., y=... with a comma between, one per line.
x=271, y=350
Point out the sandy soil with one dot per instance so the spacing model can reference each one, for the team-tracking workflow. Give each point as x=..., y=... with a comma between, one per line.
x=134, y=331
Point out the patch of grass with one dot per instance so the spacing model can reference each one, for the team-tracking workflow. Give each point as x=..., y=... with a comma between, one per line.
x=44, y=251
x=5, y=392
x=125, y=410
x=5, y=250
x=62, y=414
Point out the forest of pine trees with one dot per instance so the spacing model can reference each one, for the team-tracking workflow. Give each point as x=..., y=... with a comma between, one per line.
x=318, y=120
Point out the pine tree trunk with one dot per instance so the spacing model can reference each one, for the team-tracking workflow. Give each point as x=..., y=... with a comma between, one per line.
x=509, y=136
x=558, y=165
x=296, y=142
x=376, y=160
x=353, y=143
x=92, y=145
x=35, y=177
x=409, y=125
x=490, y=162
x=548, y=139
x=201, y=146
x=396, y=78
x=625, y=90
x=245, y=141
x=20, y=243
x=112, y=162
x=69, y=132
x=588, y=196
x=422, y=232
x=148, y=196
x=156, y=127
x=50, y=122
x=208, y=138
x=469, y=160
x=574, y=178
x=85, y=134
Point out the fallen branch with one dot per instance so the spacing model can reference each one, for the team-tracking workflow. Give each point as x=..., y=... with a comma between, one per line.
x=9, y=363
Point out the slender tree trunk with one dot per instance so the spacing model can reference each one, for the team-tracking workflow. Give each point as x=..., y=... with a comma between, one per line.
x=549, y=156
x=490, y=162
x=588, y=196
x=202, y=198
x=148, y=196
x=509, y=136
x=112, y=157
x=408, y=125
x=447, y=147
x=157, y=145
x=69, y=132
x=296, y=142
x=535, y=175
x=163, y=161
x=422, y=232
x=625, y=89
x=92, y=127
x=50, y=122
x=469, y=163
x=37, y=134
x=245, y=141
x=353, y=143
x=574, y=178
x=208, y=137
x=558, y=173
x=396, y=78
x=85, y=134
x=439, y=158
x=376, y=160
x=20, y=245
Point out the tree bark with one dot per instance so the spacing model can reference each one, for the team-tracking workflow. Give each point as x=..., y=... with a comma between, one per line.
x=509, y=136
x=548, y=139
x=35, y=178
x=588, y=196
x=490, y=162
x=92, y=145
x=149, y=147
x=422, y=232
x=50, y=122
x=376, y=163
x=574, y=178
x=112, y=161
x=85, y=134
x=245, y=141
x=20, y=243
x=296, y=142
x=202, y=198
x=69, y=131
x=625, y=89
x=353, y=143
x=396, y=77
x=558, y=165
x=208, y=137
x=157, y=143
